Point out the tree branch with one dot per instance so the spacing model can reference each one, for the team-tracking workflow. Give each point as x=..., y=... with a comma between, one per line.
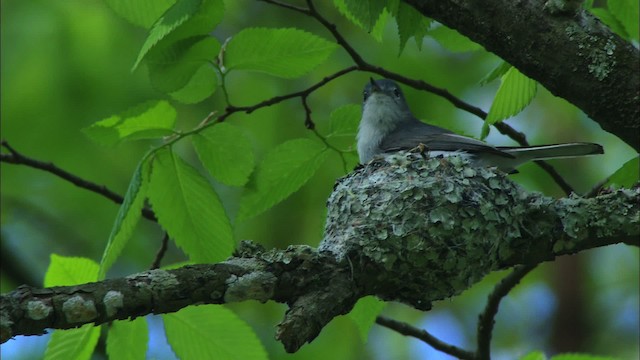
x=572, y=55
x=486, y=321
x=401, y=228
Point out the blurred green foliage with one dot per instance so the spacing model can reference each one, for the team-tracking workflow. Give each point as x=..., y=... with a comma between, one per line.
x=67, y=64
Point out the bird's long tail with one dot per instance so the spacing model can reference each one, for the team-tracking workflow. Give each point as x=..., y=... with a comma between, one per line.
x=554, y=151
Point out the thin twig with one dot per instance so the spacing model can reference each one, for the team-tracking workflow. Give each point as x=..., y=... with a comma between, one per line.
x=487, y=317
x=161, y=251
x=421, y=334
x=14, y=157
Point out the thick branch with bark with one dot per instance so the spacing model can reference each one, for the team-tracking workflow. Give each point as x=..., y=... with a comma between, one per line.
x=571, y=53
x=402, y=228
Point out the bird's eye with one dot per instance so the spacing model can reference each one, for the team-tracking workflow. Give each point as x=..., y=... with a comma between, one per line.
x=365, y=95
x=396, y=92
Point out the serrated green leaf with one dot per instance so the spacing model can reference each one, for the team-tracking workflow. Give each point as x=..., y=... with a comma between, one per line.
x=364, y=314
x=226, y=153
x=127, y=340
x=378, y=28
x=572, y=356
x=188, y=208
x=172, y=67
x=366, y=12
x=211, y=332
x=411, y=23
x=201, y=86
x=127, y=218
x=185, y=19
x=514, y=94
x=497, y=72
x=627, y=13
x=140, y=12
x=344, y=120
x=77, y=344
x=152, y=119
x=66, y=271
x=282, y=172
x=627, y=175
x=536, y=355
x=608, y=19
x=287, y=53
x=453, y=40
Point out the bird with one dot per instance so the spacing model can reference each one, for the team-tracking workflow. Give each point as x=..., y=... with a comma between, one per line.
x=388, y=125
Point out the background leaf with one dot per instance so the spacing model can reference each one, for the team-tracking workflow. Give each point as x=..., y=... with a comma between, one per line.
x=189, y=210
x=65, y=271
x=140, y=12
x=211, y=332
x=627, y=13
x=364, y=314
x=172, y=67
x=366, y=12
x=286, y=53
x=514, y=94
x=74, y=343
x=627, y=175
x=378, y=29
x=282, y=172
x=127, y=218
x=452, y=40
x=411, y=23
x=226, y=153
x=344, y=120
x=127, y=339
x=152, y=119
x=186, y=18
x=202, y=84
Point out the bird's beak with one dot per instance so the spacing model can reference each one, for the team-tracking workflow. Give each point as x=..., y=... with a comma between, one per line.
x=374, y=85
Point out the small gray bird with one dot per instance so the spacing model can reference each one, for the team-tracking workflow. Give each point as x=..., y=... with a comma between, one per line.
x=387, y=125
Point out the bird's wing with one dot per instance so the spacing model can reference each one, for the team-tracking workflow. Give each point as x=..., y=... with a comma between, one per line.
x=435, y=139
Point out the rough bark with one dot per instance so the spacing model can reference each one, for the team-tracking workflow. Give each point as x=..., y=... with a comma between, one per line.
x=403, y=228
x=572, y=54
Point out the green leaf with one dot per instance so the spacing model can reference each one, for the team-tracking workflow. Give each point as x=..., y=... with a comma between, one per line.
x=411, y=23
x=497, y=72
x=286, y=53
x=211, y=332
x=152, y=119
x=226, y=152
x=570, y=356
x=127, y=218
x=282, y=172
x=186, y=18
x=189, y=209
x=515, y=92
x=378, y=28
x=140, y=12
x=366, y=12
x=627, y=175
x=453, y=40
x=608, y=19
x=536, y=355
x=77, y=344
x=127, y=340
x=627, y=13
x=67, y=271
x=201, y=86
x=364, y=314
x=171, y=68
x=344, y=120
